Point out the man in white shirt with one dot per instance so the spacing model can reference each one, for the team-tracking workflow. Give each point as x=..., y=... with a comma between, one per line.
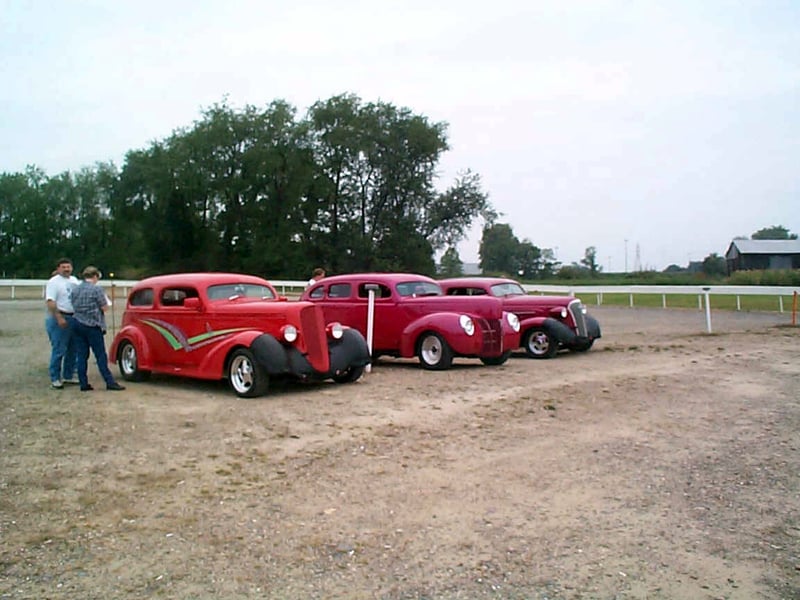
x=58, y=324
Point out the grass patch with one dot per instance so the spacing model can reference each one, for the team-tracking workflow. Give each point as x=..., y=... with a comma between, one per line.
x=718, y=301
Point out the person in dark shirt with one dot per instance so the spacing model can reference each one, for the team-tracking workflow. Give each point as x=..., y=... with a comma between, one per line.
x=90, y=303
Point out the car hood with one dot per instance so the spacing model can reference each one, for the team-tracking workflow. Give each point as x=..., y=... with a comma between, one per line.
x=487, y=307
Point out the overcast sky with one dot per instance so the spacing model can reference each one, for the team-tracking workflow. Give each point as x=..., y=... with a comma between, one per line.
x=666, y=128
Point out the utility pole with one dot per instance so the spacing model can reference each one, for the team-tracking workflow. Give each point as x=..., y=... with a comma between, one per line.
x=626, y=255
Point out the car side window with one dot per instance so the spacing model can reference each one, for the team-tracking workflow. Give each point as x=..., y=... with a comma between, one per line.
x=339, y=290
x=382, y=291
x=142, y=297
x=176, y=296
x=317, y=293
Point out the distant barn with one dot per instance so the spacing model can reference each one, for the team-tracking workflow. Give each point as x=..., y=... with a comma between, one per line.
x=763, y=255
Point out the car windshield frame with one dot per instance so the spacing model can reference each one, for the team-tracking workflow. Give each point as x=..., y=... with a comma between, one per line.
x=507, y=288
x=232, y=291
x=416, y=289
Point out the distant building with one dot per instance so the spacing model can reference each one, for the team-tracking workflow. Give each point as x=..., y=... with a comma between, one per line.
x=763, y=255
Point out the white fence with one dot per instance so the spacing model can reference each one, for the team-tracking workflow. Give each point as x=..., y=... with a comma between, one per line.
x=10, y=287
x=587, y=291
x=118, y=289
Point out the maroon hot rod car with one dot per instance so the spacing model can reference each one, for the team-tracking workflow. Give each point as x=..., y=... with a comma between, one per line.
x=547, y=323
x=412, y=317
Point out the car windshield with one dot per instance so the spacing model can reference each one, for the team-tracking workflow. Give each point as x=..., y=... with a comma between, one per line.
x=507, y=289
x=419, y=288
x=232, y=291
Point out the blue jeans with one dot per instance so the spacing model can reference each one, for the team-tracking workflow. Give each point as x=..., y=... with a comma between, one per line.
x=86, y=338
x=62, y=344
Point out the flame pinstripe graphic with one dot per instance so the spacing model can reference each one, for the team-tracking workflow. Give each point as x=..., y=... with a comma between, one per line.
x=178, y=340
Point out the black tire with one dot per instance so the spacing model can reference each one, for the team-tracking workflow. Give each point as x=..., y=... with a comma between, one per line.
x=434, y=353
x=348, y=375
x=584, y=347
x=539, y=343
x=496, y=360
x=128, y=363
x=247, y=378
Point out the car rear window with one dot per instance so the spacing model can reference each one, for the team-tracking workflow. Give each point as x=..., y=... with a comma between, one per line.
x=381, y=291
x=339, y=290
x=142, y=297
x=174, y=296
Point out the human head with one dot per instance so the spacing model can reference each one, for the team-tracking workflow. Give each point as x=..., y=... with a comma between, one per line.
x=91, y=272
x=318, y=273
x=64, y=267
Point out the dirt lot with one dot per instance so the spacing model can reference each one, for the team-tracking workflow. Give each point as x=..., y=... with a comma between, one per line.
x=664, y=463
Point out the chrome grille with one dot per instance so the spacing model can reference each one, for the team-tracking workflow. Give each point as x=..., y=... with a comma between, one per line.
x=492, y=336
x=576, y=309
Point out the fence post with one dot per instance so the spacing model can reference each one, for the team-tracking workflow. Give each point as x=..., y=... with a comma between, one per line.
x=708, y=309
x=794, y=308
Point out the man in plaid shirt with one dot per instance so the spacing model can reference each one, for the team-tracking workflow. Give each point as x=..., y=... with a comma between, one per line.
x=90, y=303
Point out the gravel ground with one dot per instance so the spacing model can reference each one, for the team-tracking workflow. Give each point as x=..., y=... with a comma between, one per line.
x=664, y=463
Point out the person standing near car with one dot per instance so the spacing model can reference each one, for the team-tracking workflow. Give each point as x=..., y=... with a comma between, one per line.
x=316, y=275
x=90, y=303
x=58, y=324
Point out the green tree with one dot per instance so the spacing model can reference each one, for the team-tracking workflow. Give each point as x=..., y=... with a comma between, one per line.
x=499, y=249
x=450, y=264
x=589, y=261
x=714, y=265
x=529, y=260
x=776, y=232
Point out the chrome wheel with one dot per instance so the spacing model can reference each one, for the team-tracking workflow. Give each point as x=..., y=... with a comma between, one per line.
x=434, y=353
x=247, y=378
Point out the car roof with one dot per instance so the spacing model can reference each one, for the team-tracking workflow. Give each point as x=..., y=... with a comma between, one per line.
x=475, y=281
x=386, y=278
x=200, y=279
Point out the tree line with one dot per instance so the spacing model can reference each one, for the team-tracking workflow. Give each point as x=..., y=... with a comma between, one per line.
x=350, y=186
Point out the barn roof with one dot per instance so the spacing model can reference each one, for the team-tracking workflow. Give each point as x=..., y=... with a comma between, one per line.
x=766, y=246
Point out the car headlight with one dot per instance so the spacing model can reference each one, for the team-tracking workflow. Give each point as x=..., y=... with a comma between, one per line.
x=335, y=330
x=289, y=333
x=513, y=321
x=466, y=324
x=583, y=309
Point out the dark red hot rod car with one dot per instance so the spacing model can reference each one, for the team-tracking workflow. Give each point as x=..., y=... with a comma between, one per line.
x=547, y=323
x=412, y=317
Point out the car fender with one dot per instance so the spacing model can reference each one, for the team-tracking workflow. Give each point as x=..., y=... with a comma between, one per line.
x=592, y=327
x=447, y=325
x=144, y=355
x=511, y=338
x=268, y=351
x=556, y=329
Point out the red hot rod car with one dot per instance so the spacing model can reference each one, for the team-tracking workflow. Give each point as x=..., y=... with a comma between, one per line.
x=414, y=318
x=547, y=323
x=232, y=326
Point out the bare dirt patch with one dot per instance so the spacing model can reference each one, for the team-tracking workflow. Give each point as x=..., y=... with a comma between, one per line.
x=664, y=463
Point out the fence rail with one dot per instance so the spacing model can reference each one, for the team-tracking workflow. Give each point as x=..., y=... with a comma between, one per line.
x=11, y=287
x=118, y=289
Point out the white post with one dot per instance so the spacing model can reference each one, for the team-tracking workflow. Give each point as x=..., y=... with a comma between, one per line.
x=708, y=310
x=780, y=301
x=370, y=323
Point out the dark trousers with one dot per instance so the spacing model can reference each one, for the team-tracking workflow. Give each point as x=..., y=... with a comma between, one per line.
x=86, y=338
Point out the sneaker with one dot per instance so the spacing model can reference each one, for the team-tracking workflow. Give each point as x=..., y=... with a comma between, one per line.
x=115, y=387
x=56, y=385
x=87, y=388
x=70, y=381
